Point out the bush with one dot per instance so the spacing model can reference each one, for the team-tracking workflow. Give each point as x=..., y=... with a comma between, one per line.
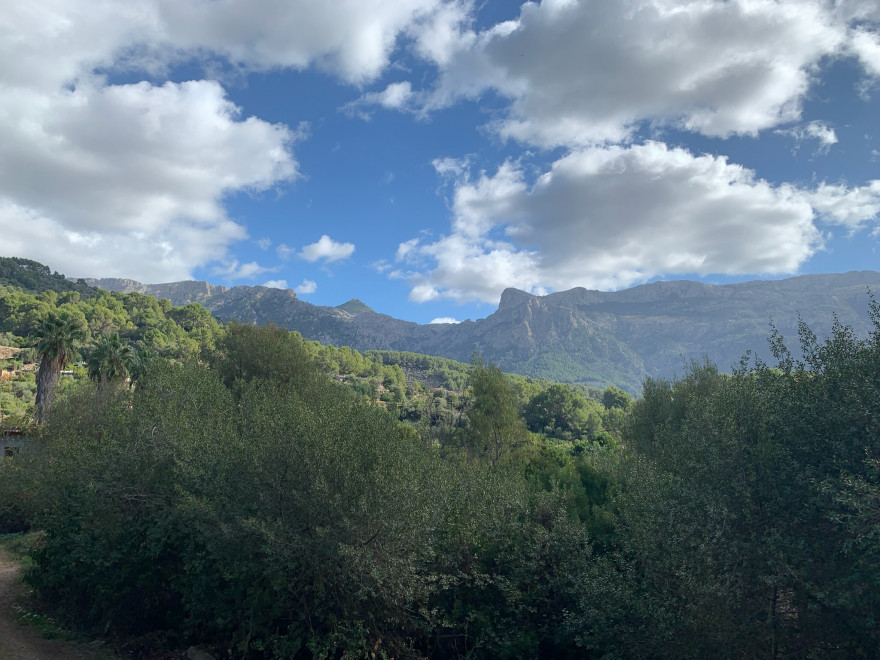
x=258, y=506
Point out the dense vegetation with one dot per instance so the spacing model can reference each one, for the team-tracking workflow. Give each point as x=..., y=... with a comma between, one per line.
x=265, y=496
x=34, y=277
x=253, y=501
x=425, y=391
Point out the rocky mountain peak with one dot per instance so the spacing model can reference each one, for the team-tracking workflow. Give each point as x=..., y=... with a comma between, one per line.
x=511, y=298
x=355, y=306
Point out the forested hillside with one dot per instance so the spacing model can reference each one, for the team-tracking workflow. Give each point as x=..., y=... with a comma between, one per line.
x=418, y=389
x=34, y=277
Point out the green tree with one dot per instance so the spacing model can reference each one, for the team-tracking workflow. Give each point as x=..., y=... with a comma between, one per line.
x=614, y=397
x=144, y=360
x=559, y=412
x=747, y=513
x=112, y=360
x=57, y=341
x=495, y=427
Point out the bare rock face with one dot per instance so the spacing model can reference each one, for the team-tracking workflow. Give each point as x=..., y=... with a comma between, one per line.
x=592, y=337
x=179, y=293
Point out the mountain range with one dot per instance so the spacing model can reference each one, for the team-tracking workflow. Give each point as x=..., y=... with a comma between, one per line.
x=591, y=337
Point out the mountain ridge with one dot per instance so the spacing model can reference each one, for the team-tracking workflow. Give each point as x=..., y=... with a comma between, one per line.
x=580, y=335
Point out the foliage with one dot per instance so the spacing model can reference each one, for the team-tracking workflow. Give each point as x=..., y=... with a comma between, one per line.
x=17, y=392
x=495, y=427
x=112, y=360
x=746, y=519
x=559, y=412
x=614, y=397
x=254, y=504
x=34, y=277
x=17, y=490
x=259, y=493
x=143, y=320
x=57, y=339
x=428, y=369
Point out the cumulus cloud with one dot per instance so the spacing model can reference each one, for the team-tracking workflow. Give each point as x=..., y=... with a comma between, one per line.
x=608, y=217
x=582, y=73
x=136, y=173
x=276, y=284
x=353, y=39
x=130, y=180
x=445, y=32
x=586, y=77
x=866, y=46
x=851, y=207
x=162, y=256
x=444, y=319
x=306, y=287
x=326, y=249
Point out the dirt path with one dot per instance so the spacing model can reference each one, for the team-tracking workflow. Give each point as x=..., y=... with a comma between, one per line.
x=18, y=642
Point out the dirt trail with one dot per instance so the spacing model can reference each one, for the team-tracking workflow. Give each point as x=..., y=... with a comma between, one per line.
x=18, y=642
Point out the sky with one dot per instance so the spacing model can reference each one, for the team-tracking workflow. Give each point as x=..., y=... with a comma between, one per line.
x=424, y=155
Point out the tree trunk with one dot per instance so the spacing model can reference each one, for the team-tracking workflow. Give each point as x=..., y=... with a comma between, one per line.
x=774, y=650
x=47, y=382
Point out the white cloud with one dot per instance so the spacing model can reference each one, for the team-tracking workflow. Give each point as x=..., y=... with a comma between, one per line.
x=235, y=270
x=276, y=284
x=857, y=10
x=163, y=256
x=403, y=249
x=444, y=319
x=445, y=33
x=327, y=249
x=608, y=217
x=132, y=166
x=306, y=287
x=585, y=76
x=850, y=207
x=49, y=44
x=395, y=97
x=822, y=132
x=866, y=46
x=353, y=39
x=451, y=168
x=814, y=130
x=130, y=180
x=264, y=243
x=582, y=73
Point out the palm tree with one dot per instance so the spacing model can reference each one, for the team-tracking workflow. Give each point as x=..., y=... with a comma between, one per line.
x=112, y=360
x=57, y=340
x=144, y=359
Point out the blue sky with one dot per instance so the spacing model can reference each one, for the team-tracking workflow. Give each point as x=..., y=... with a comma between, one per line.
x=422, y=155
